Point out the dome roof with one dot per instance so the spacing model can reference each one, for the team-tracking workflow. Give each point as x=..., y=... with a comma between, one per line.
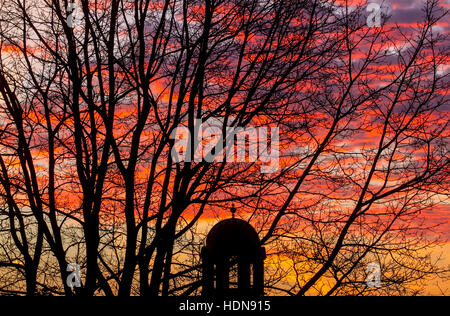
x=233, y=237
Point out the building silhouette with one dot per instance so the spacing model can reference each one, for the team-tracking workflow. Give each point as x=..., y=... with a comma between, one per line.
x=233, y=261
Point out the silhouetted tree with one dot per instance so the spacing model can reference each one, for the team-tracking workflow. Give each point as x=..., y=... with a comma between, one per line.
x=90, y=104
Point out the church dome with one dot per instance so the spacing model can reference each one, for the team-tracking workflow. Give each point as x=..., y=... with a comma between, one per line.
x=233, y=237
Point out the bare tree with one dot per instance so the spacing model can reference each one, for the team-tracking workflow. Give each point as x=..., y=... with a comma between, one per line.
x=90, y=104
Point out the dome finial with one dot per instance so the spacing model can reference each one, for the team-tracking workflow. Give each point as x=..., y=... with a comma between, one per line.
x=233, y=210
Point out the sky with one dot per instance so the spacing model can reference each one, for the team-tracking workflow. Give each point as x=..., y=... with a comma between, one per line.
x=406, y=14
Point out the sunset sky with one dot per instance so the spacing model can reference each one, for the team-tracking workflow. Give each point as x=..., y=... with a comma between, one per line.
x=90, y=115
